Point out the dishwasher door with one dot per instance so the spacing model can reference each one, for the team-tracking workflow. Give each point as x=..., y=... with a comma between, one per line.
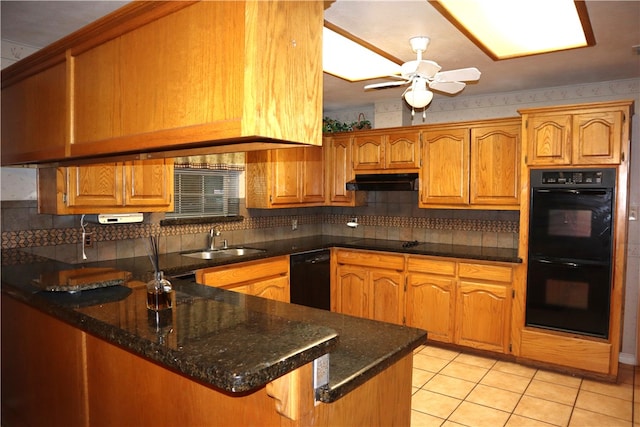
x=310, y=279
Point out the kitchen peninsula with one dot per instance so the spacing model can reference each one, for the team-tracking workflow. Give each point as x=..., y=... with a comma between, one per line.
x=217, y=358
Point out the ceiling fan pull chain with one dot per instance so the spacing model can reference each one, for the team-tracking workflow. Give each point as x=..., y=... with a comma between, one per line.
x=413, y=112
x=424, y=114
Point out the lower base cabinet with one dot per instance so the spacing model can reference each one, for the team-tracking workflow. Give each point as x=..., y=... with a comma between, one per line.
x=263, y=278
x=460, y=302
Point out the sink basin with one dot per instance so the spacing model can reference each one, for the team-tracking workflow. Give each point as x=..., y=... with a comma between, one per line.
x=220, y=253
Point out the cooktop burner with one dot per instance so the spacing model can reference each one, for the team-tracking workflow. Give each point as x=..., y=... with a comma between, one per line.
x=410, y=244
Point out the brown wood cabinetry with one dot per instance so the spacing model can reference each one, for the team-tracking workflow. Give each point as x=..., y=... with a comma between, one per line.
x=590, y=134
x=287, y=177
x=264, y=278
x=471, y=165
x=134, y=186
x=368, y=284
x=128, y=82
x=389, y=150
x=431, y=296
x=339, y=171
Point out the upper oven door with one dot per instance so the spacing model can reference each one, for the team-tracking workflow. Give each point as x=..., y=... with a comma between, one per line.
x=571, y=223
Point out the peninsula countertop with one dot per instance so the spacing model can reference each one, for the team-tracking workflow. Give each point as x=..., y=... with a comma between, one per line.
x=230, y=341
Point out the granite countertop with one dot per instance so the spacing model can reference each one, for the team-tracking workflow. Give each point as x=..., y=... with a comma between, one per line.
x=232, y=341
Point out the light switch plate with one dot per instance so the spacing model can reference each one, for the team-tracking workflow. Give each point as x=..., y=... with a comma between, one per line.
x=633, y=213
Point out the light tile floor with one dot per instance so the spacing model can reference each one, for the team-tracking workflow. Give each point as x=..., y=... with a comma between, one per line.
x=452, y=388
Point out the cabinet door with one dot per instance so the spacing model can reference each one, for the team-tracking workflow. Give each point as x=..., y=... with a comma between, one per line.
x=444, y=178
x=482, y=315
x=351, y=290
x=313, y=181
x=149, y=183
x=97, y=185
x=386, y=296
x=402, y=150
x=285, y=164
x=275, y=288
x=430, y=305
x=495, y=165
x=368, y=152
x=339, y=169
x=548, y=139
x=597, y=138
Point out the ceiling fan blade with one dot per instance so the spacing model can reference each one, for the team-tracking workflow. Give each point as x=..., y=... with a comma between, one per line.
x=462, y=74
x=385, y=85
x=427, y=68
x=447, y=87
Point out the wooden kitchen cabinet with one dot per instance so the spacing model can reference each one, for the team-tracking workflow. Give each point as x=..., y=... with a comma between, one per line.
x=431, y=296
x=118, y=187
x=268, y=278
x=126, y=83
x=483, y=306
x=587, y=134
x=288, y=177
x=339, y=171
x=471, y=165
x=368, y=284
x=390, y=150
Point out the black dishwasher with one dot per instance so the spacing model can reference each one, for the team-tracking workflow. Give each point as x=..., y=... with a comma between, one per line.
x=310, y=279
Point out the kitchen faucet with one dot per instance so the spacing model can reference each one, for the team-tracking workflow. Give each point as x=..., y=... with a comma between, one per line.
x=213, y=233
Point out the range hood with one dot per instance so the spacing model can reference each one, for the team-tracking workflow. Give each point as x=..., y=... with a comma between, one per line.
x=384, y=182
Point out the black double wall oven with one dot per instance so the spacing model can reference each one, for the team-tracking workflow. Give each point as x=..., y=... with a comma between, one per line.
x=569, y=273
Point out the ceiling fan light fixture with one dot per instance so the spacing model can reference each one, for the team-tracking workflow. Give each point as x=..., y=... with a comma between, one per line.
x=418, y=96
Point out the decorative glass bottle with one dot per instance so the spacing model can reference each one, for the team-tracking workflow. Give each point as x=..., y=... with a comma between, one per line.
x=159, y=293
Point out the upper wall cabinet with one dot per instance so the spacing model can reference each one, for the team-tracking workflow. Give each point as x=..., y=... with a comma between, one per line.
x=471, y=165
x=389, y=150
x=156, y=76
x=339, y=171
x=287, y=177
x=587, y=134
x=118, y=187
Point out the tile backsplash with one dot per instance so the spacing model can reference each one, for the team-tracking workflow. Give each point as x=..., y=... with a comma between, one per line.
x=388, y=215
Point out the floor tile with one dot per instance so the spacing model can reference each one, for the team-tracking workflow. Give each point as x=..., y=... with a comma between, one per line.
x=494, y=397
x=506, y=381
x=420, y=419
x=449, y=386
x=428, y=363
x=470, y=359
x=543, y=410
x=520, y=421
x=419, y=377
x=471, y=414
x=558, y=378
x=435, y=404
x=620, y=391
x=606, y=405
x=584, y=418
x=514, y=368
x=553, y=392
x=441, y=353
x=465, y=372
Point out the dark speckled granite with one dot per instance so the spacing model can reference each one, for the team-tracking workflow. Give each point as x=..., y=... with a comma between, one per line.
x=231, y=341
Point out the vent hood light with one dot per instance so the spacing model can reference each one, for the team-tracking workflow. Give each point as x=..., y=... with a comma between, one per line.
x=509, y=29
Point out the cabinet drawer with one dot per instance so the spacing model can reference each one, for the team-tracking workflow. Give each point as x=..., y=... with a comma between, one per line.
x=370, y=259
x=494, y=273
x=227, y=275
x=431, y=266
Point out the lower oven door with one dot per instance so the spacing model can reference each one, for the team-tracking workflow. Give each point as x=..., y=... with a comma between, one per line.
x=568, y=295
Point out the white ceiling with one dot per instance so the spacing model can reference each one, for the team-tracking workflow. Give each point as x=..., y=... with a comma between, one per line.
x=389, y=25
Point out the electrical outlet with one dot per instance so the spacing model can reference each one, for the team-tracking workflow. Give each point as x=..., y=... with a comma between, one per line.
x=88, y=241
x=633, y=213
x=294, y=224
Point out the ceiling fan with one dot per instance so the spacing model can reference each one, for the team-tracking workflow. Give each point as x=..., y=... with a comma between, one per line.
x=422, y=73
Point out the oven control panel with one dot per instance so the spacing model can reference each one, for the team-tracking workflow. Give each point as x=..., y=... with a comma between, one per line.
x=573, y=177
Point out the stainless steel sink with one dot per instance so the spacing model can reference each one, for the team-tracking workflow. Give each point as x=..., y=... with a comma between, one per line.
x=223, y=253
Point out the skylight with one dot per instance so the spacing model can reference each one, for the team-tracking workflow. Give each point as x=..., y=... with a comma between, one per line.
x=509, y=28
